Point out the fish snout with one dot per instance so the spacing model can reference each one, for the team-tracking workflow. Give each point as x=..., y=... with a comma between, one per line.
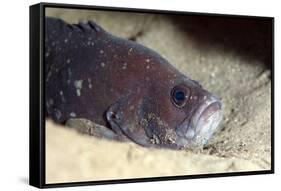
x=200, y=127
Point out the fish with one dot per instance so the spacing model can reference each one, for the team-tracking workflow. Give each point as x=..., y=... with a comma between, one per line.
x=129, y=90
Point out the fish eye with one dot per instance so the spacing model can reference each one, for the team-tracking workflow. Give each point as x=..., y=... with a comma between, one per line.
x=179, y=96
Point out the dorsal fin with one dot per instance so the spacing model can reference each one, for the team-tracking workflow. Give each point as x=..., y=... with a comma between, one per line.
x=89, y=25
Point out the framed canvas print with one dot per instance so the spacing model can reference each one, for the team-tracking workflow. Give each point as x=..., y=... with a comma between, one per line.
x=126, y=95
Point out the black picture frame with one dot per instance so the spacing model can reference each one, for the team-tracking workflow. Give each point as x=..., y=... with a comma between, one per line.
x=37, y=158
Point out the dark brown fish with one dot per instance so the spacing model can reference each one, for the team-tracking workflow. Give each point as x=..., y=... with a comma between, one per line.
x=124, y=86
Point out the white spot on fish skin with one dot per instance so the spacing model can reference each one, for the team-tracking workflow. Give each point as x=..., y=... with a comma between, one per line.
x=78, y=92
x=78, y=85
x=131, y=107
x=47, y=54
x=205, y=97
x=102, y=64
x=68, y=61
x=62, y=97
x=90, y=83
x=49, y=75
x=147, y=60
x=101, y=52
x=72, y=114
x=66, y=40
x=147, y=67
x=130, y=51
x=89, y=43
x=124, y=66
x=51, y=101
x=58, y=113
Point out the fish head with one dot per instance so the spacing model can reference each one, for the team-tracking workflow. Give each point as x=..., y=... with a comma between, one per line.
x=172, y=113
x=192, y=114
x=161, y=106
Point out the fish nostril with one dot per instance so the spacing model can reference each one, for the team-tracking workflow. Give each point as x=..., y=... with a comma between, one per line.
x=208, y=99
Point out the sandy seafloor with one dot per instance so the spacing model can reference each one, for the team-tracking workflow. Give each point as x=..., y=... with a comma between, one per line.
x=230, y=58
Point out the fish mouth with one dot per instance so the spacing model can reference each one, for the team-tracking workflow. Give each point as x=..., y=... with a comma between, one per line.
x=207, y=120
x=197, y=130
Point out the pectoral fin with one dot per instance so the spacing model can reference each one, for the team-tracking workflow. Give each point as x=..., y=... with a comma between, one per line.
x=125, y=117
